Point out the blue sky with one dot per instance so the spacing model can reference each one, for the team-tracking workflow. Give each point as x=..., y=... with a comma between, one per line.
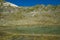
x=34, y=2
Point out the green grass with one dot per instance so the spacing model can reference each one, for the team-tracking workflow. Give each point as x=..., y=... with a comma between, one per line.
x=14, y=32
x=33, y=29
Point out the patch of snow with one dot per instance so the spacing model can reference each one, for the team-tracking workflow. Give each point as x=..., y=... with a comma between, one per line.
x=11, y=4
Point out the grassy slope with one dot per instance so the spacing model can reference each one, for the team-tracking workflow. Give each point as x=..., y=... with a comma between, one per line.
x=33, y=32
x=42, y=19
x=49, y=15
x=13, y=25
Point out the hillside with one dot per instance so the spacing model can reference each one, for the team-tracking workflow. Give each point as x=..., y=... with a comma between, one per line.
x=38, y=22
x=39, y=14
